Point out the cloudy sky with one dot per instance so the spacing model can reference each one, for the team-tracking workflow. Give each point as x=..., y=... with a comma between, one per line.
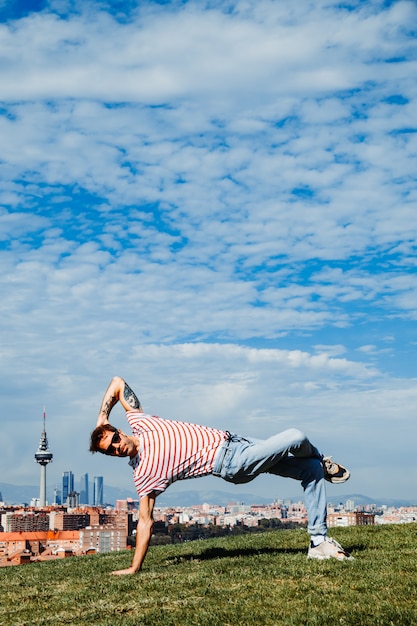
x=217, y=201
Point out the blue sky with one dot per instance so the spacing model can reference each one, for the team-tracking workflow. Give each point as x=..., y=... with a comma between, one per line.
x=217, y=201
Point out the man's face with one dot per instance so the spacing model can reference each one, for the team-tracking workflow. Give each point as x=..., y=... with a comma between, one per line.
x=117, y=444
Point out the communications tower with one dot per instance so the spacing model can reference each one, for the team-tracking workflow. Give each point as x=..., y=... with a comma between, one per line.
x=43, y=457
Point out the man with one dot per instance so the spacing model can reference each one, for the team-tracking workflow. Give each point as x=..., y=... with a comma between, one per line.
x=164, y=451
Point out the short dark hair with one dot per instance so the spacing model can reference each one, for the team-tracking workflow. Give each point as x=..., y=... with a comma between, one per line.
x=97, y=435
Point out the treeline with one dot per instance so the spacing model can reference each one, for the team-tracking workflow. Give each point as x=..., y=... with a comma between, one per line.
x=179, y=533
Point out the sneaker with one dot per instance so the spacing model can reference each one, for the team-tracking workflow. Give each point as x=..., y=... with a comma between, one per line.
x=328, y=549
x=334, y=472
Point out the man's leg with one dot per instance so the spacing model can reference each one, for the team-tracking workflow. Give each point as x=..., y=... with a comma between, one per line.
x=292, y=455
x=310, y=473
x=289, y=454
x=246, y=458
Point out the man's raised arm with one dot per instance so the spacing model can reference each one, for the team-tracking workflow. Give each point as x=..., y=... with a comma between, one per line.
x=117, y=391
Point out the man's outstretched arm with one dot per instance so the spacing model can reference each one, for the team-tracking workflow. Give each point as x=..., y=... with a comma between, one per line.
x=117, y=391
x=143, y=535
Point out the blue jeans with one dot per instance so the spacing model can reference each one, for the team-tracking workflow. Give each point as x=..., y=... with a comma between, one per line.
x=289, y=453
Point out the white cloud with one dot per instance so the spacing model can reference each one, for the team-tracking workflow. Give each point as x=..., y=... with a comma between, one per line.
x=219, y=204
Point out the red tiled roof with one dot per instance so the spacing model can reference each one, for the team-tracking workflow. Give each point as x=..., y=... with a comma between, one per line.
x=39, y=535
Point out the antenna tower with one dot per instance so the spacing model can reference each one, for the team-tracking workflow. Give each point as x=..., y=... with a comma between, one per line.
x=43, y=457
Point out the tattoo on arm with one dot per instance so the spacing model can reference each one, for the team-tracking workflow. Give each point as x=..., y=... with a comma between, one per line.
x=108, y=404
x=130, y=397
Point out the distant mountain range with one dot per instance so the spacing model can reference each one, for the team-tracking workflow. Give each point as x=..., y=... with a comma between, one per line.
x=222, y=498
x=19, y=494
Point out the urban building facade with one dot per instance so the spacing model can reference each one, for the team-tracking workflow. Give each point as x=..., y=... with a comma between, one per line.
x=43, y=535
x=350, y=518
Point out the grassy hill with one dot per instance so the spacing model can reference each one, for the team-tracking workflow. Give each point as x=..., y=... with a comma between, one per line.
x=262, y=579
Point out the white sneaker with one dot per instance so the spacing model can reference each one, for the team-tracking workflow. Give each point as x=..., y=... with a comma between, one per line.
x=328, y=549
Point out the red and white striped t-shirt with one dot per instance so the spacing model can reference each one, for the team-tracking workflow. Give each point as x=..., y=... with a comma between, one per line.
x=170, y=451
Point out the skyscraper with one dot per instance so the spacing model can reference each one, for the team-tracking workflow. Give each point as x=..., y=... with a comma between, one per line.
x=57, y=496
x=43, y=457
x=67, y=485
x=98, y=491
x=84, y=489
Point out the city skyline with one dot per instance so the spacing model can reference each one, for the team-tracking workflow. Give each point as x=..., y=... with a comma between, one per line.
x=67, y=489
x=215, y=201
x=190, y=497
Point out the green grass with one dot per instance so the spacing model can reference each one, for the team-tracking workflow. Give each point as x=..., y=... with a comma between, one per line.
x=261, y=579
